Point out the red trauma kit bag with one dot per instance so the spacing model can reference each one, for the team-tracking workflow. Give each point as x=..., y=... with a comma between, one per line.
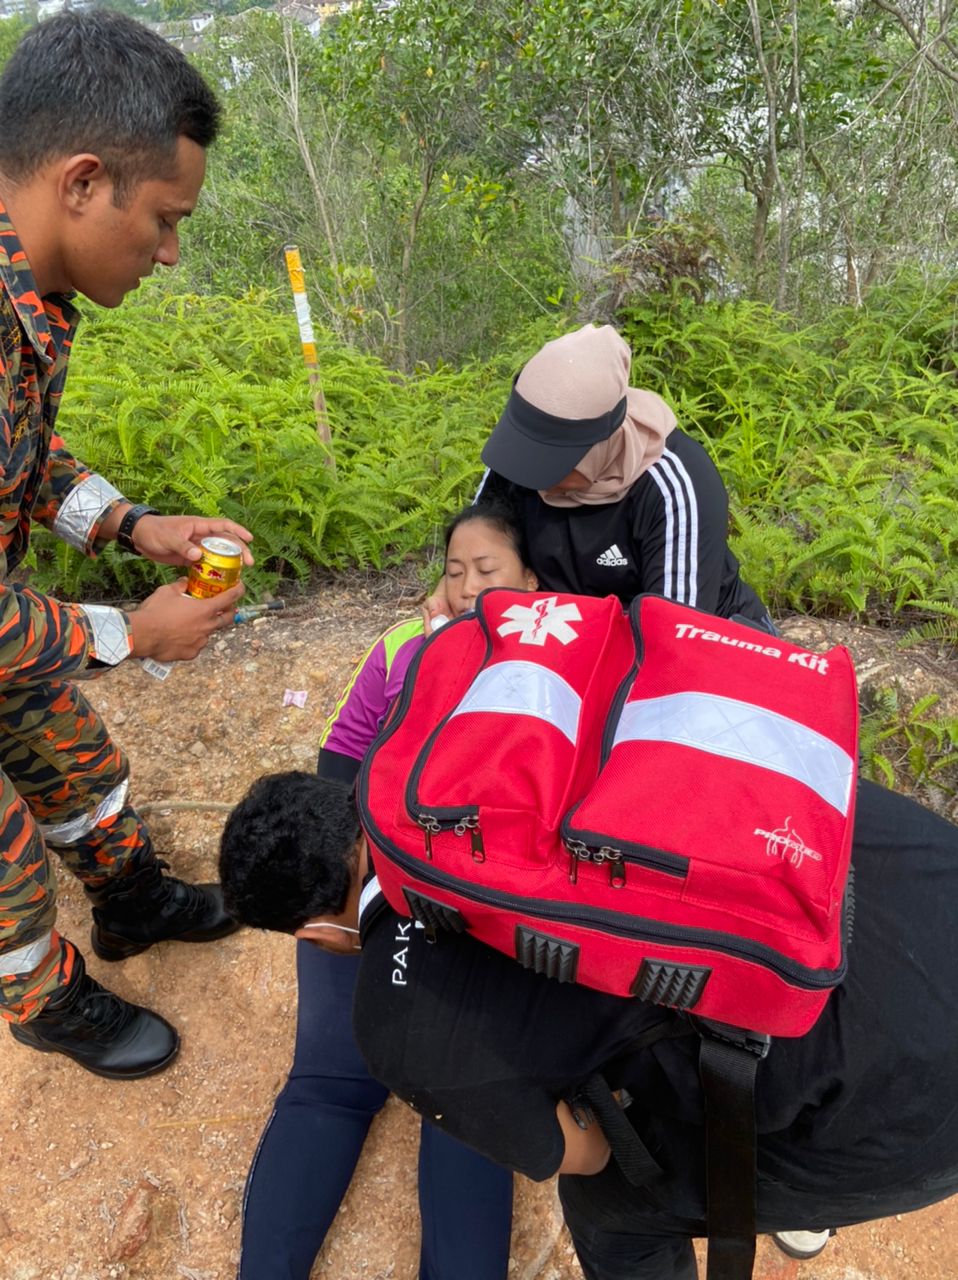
x=659, y=804
x=656, y=804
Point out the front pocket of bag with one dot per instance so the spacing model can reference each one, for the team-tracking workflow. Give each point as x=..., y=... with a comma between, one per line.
x=483, y=838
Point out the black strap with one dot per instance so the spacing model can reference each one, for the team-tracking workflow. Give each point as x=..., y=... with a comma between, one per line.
x=124, y=534
x=727, y=1073
x=630, y=1152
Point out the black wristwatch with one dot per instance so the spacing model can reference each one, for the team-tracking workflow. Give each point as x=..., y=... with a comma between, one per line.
x=124, y=535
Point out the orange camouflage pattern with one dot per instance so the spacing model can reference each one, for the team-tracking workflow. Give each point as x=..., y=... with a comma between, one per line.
x=56, y=759
x=37, y=471
x=57, y=763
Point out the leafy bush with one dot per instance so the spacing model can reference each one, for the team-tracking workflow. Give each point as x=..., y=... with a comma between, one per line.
x=202, y=404
x=837, y=441
x=910, y=746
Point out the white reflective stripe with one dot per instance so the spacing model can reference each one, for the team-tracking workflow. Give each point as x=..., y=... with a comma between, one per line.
x=25, y=959
x=371, y=890
x=742, y=731
x=81, y=509
x=111, y=640
x=301, y=303
x=74, y=830
x=525, y=689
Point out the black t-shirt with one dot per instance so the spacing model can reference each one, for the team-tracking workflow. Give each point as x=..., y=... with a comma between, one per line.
x=667, y=536
x=867, y=1100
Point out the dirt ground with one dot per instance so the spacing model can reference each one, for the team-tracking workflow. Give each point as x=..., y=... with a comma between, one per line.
x=144, y=1180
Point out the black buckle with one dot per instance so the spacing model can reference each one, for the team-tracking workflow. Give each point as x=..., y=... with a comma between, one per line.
x=754, y=1042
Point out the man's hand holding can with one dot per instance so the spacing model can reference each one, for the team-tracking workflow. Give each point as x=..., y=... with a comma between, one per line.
x=171, y=626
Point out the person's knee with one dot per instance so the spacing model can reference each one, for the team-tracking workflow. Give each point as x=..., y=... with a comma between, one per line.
x=344, y=1097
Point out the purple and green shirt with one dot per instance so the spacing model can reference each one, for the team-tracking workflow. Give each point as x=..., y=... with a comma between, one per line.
x=376, y=681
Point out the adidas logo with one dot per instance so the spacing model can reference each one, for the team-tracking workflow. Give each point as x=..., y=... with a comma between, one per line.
x=612, y=558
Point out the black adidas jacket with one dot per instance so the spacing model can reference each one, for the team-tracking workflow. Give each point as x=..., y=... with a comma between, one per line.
x=667, y=535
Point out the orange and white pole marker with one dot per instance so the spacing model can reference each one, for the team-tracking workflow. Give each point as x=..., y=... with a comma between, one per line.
x=297, y=281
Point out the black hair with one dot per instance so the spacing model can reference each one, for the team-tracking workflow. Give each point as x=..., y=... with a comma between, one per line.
x=501, y=514
x=104, y=83
x=288, y=851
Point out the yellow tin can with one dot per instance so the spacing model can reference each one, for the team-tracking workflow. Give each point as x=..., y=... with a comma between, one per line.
x=218, y=569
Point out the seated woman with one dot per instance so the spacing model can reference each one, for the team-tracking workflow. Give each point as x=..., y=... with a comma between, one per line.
x=312, y=1141
x=612, y=498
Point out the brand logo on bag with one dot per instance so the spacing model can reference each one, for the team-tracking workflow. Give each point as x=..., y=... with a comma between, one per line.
x=787, y=845
x=611, y=558
x=536, y=622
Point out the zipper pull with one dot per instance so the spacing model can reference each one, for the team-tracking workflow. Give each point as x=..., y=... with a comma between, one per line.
x=470, y=822
x=430, y=826
x=475, y=843
x=616, y=870
x=576, y=851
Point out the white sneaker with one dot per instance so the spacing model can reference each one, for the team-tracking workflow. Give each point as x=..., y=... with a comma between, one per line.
x=802, y=1244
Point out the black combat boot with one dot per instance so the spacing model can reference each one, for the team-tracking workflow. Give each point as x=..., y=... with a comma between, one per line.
x=100, y=1031
x=144, y=906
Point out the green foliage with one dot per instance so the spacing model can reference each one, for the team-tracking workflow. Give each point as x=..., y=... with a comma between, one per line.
x=448, y=166
x=836, y=442
x=908, y=745
x=11, y=29
x=372, y=148
x=202, y=404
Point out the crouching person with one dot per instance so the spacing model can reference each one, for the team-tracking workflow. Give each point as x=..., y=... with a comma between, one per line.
x=856, y=1120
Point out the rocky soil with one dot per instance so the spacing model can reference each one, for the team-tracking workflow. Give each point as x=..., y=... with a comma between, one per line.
x=144, y=1180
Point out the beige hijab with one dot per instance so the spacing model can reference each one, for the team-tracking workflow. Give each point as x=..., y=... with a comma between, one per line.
x=582, y=375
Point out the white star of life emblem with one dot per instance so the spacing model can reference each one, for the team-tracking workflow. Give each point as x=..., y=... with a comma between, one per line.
x=536, y=622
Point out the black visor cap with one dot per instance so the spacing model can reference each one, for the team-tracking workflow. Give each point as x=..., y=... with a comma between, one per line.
x=536, y=449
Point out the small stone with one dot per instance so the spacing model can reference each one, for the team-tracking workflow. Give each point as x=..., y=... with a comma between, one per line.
x=198, y=749
x=133, y=1223
x=119, y=717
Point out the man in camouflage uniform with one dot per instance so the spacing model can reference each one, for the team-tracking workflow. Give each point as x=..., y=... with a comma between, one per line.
x=103, y=130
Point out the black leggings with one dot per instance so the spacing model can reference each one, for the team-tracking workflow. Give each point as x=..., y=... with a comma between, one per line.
x=312, y=1141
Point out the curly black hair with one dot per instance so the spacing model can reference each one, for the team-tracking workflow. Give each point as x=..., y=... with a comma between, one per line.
x=288, y=851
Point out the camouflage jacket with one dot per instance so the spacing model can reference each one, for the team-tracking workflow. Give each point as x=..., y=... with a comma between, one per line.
x=41, y=480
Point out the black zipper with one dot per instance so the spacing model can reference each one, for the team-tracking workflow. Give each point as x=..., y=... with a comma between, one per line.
x=465, y=820
x=596, y=847
x=610, y=921
x=590, y=846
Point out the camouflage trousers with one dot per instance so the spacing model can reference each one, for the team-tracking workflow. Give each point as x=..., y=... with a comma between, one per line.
x=63, y=787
